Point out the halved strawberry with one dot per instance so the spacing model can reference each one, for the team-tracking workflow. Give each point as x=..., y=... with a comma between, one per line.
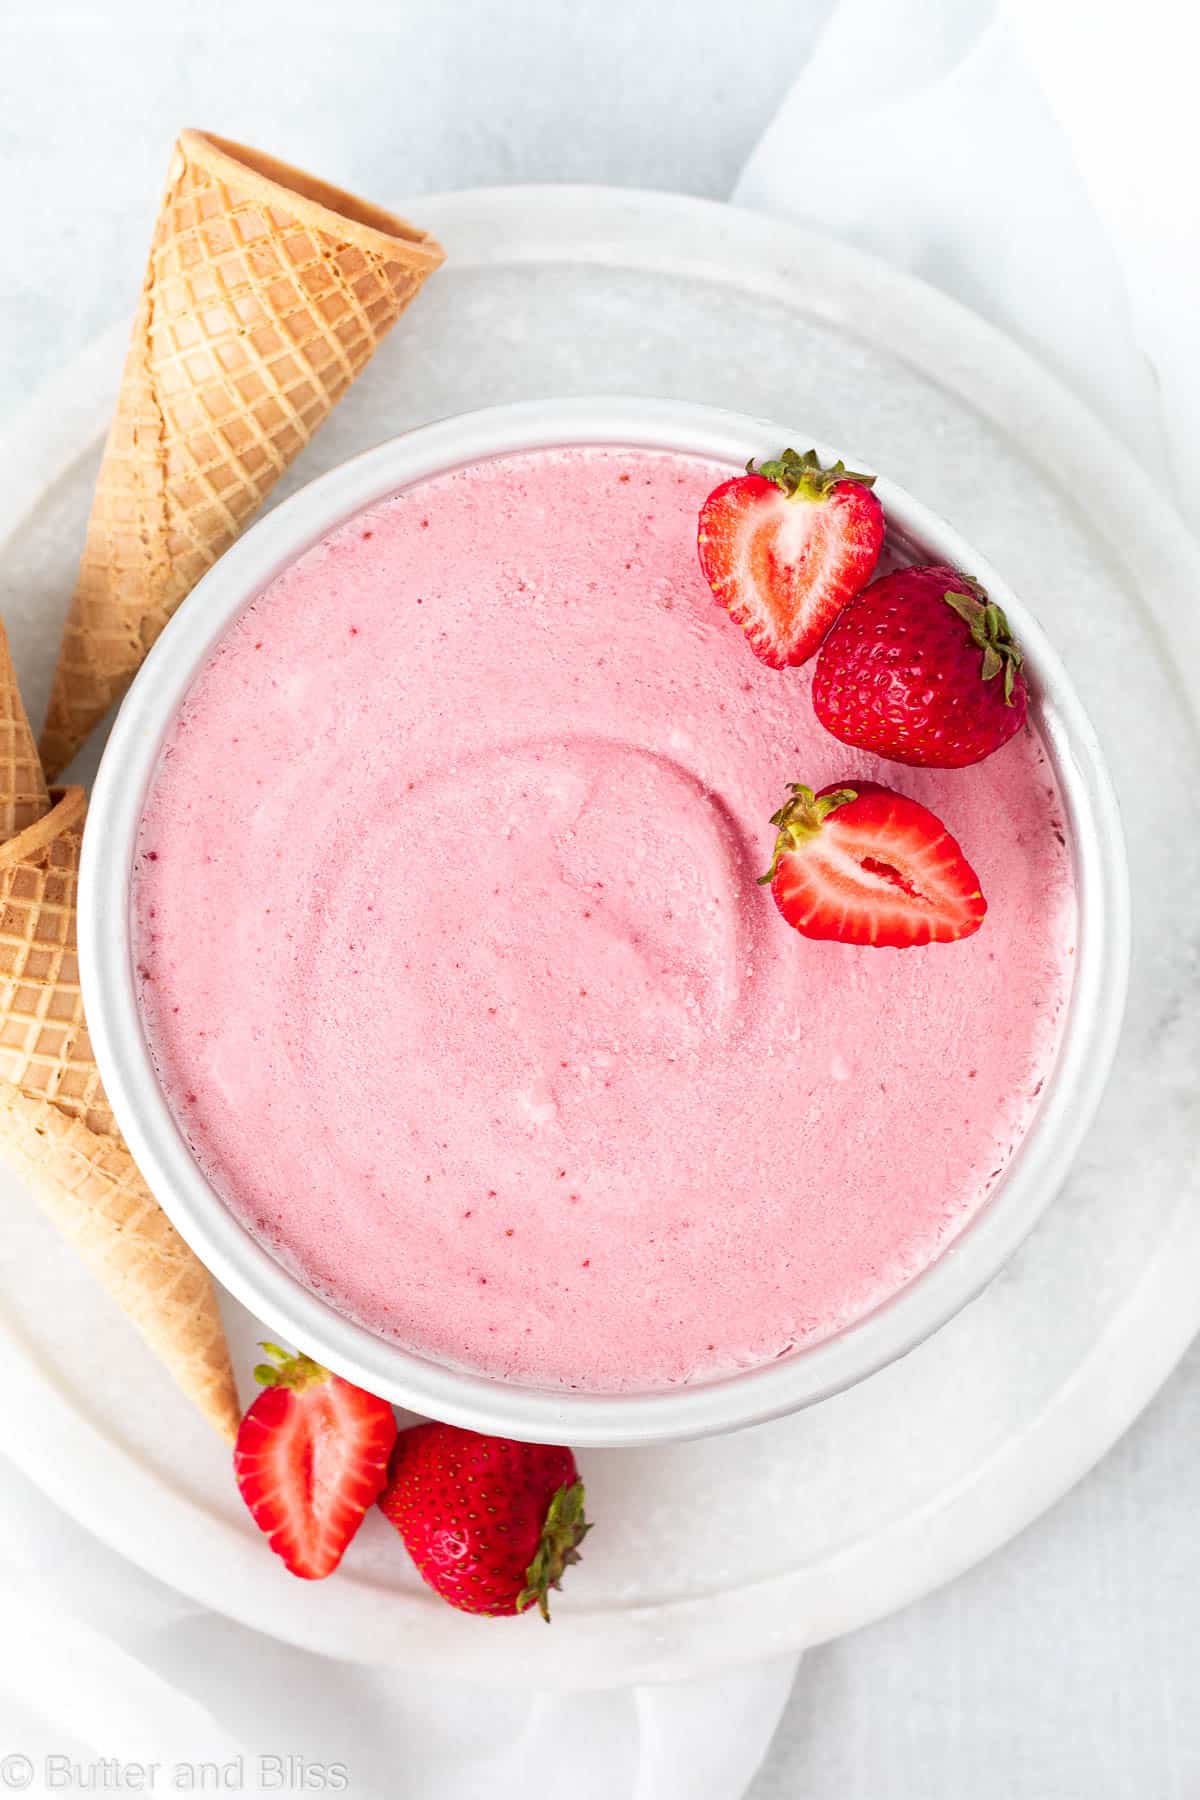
x=311, y=1456
x=863, y=865
x=784, y=547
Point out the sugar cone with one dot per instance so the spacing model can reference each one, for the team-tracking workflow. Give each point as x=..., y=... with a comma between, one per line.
x=57, y=1128
x=265, y=295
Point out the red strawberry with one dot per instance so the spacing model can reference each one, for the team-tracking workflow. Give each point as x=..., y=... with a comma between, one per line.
x=310, y=1457
x=863, y=865
x=491, y=1524
x=922, y=668
x=785, y=547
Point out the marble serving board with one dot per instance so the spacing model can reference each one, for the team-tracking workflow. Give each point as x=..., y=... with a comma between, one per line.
x=883, y=1492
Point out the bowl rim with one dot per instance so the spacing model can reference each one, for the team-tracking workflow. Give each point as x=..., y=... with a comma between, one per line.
x=249, y=1271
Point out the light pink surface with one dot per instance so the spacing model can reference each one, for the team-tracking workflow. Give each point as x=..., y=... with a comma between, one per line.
x=459, y=982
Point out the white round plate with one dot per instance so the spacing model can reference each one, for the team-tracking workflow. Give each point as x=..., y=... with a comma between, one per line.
x=742, y=1546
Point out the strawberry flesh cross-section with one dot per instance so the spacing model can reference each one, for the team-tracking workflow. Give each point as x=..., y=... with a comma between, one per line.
x=860, y=864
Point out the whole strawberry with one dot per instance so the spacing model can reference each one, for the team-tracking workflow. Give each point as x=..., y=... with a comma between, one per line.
x=922, y=668
x=783, y=548
x=491, y=1524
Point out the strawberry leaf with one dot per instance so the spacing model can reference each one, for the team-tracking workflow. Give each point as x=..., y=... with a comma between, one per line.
x=801, y=818
x=564, y=1529
x=296, y=1372
x=803, y=478
x=990, y=633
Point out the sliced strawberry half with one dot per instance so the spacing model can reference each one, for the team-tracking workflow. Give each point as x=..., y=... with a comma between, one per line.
x=863, y=865
x=785, y=547
x=311, y=1456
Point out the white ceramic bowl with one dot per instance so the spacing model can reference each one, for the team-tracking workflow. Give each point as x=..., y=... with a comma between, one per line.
x=424, y=1385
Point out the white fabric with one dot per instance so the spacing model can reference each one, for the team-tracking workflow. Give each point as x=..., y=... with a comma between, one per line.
x=99, y=1661
x=1038, y=162
x=1032, y=162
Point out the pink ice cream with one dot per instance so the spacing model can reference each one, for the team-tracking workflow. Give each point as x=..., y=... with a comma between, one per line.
x=459, y=983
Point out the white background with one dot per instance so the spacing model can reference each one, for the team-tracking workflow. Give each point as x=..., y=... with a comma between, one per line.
x=1066, y=1666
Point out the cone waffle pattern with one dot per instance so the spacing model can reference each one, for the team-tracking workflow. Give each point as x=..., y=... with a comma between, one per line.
x=44, y=1045
x=92, y=1191
x=265, y=295
x=23, y=796
x=56, y=1126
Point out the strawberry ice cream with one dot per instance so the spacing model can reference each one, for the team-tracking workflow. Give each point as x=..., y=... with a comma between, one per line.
x=460, y=985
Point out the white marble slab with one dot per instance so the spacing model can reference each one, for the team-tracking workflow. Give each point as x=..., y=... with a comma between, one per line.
x=881, y=1493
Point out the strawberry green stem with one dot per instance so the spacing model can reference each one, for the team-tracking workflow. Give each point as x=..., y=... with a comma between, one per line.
x=990, y=633
x=563, y=1531
x=800, y=819
x=803, y=478
x=296, y=1372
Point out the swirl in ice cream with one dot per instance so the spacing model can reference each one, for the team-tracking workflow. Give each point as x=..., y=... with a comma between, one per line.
x=457, y=976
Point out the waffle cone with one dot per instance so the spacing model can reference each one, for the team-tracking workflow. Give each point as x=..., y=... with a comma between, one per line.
x=23, y=796
x=265, y=294
x=57, y=1128
x=92, y=1191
